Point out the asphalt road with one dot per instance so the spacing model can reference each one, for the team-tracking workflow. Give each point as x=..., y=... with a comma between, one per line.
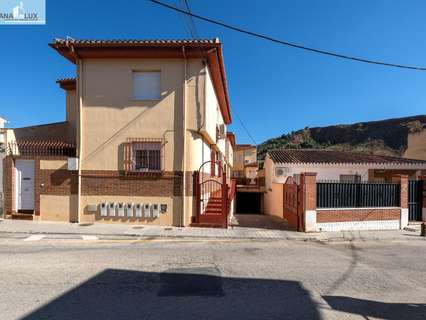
x=166, y=279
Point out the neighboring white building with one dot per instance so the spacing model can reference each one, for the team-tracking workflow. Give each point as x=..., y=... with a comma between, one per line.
x=337, y=165
x=342, y=166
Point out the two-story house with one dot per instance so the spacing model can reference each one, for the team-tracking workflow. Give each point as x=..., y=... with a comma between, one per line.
x=245, y=163
x=141, y=117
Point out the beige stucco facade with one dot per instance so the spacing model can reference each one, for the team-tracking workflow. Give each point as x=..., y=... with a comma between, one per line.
x=111, y=114
x=185, y=118
x=273, y=195
x=273, y=200
x=58, y=208
x=244, y=155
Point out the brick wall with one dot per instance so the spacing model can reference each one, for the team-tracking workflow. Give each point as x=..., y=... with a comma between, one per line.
x=8, y=184
x=357, y=215
x=114, y=183
x=336, y=219
x=57, y=182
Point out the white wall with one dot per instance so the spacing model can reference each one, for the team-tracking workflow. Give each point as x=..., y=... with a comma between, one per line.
x=213, y=114
x=1, y=172
x=331, y=173
x=2, y=145
x=199, y=153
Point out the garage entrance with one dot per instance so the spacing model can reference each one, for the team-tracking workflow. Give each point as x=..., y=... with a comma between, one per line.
x=249, y=202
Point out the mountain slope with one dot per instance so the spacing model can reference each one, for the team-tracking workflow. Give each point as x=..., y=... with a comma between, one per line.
x=385, y=137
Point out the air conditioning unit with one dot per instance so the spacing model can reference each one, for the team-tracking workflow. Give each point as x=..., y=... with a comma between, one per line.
x=222, y=131
x=281, y=172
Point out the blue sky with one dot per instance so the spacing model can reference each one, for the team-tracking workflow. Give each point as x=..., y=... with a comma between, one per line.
x=274, y=89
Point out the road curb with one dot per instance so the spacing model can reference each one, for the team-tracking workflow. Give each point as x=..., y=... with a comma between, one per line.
x=289, y=238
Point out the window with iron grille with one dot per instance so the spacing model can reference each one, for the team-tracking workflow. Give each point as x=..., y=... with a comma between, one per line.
x=147, y=156
x=143, y=155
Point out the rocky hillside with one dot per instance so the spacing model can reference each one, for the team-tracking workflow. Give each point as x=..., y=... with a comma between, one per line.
x=385, y=137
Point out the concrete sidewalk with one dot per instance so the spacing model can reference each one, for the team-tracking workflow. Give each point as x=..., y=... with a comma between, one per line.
x=111, y=230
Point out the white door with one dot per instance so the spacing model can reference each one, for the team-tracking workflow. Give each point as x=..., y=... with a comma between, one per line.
x=25, y=184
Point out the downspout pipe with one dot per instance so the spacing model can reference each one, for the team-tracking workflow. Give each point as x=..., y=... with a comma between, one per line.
x=182, y=220
x=79, y=63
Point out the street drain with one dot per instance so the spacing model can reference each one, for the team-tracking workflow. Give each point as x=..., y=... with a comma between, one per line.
x=202, y=281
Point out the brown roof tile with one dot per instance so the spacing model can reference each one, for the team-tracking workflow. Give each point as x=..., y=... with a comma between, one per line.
x=137, y=41
x=331, y=156
x=244, y=146
x=67, y=83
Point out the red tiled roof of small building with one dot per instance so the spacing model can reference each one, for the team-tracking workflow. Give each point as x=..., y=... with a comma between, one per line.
x=313, y=156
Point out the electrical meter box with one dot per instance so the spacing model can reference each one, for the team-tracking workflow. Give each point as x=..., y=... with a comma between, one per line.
x=138, y=210
x=155, y=209
x=111, y=209
x=129, y=210
x=120, y=209
x=103, y=207
x=147, y=210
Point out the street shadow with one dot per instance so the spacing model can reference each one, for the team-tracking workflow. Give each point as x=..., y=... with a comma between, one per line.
x=261, y=221
x=376, y=309
x=186, y=293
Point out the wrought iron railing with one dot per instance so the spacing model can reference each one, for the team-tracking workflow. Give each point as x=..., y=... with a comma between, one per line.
x=41, y=148
x=332, y=194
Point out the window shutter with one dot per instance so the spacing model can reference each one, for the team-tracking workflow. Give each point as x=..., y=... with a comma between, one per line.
x=147, y=85
x=127, y=157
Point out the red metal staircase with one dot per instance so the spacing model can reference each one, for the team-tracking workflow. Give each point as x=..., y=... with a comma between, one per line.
x=213, y=201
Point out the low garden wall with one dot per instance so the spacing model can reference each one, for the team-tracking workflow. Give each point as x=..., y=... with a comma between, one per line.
x=313, y=206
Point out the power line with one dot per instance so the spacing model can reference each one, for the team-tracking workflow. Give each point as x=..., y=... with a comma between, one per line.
x=245, y=128
x=193, y=31
x=289, y=44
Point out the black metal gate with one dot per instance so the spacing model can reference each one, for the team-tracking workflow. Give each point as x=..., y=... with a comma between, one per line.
x=415, y=200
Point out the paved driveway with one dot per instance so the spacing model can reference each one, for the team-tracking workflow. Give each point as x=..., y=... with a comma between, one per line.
x=260, y=221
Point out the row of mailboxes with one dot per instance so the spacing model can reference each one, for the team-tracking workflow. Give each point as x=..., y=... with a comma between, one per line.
x=138, y=210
